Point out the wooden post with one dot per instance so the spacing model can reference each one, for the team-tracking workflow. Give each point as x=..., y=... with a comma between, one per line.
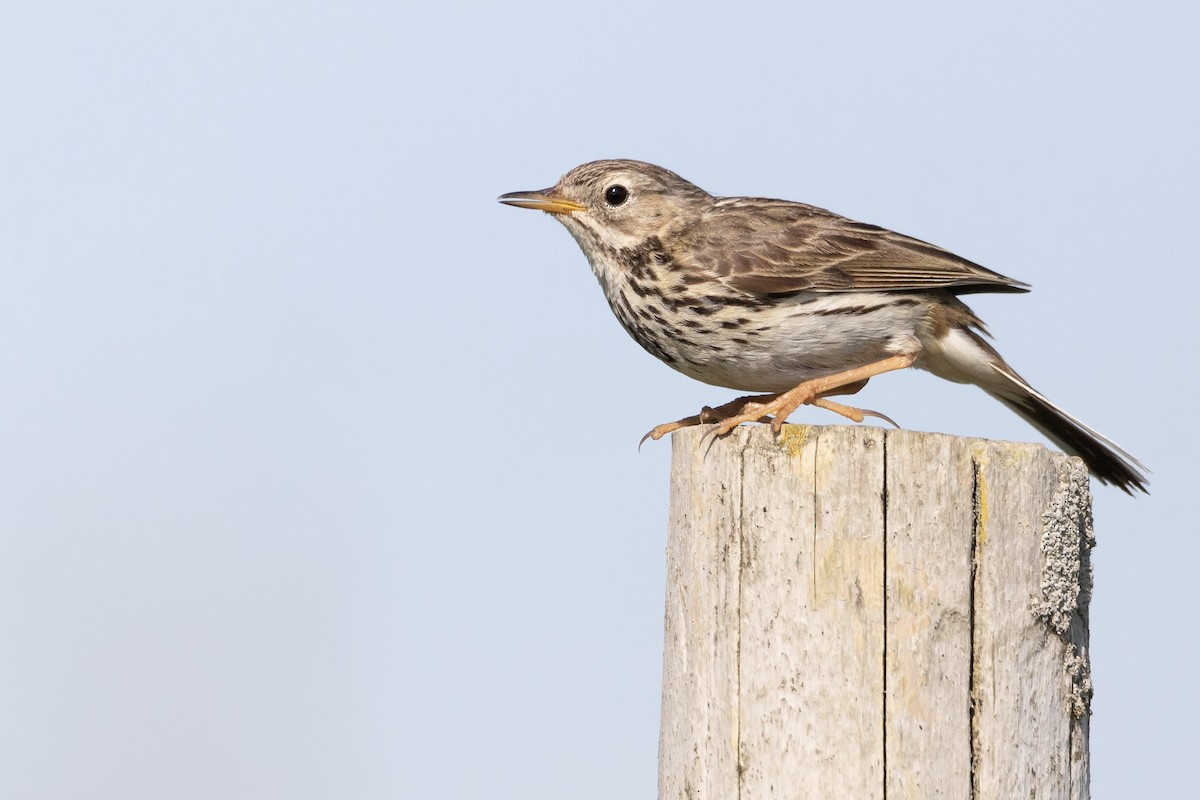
x=860, y=613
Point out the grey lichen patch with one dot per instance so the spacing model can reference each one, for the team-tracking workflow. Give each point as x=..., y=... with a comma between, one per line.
x=1077, y=666
x=1067, y=535
x=1067, y=541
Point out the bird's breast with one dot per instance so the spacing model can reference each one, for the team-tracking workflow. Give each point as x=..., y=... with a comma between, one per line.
x=762, y=343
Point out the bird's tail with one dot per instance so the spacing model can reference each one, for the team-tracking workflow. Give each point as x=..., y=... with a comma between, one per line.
x=1104, y=458
x=965, y=357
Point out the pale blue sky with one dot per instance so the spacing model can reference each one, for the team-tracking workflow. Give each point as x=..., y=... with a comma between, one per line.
x=318, y=468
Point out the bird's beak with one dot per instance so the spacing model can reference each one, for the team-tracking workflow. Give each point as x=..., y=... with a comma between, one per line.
x=544, y=200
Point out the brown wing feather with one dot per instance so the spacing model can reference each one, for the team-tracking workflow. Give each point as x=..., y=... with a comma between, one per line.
x=789, y=247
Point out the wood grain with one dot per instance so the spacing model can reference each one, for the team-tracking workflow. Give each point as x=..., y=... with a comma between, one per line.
x=869, y=614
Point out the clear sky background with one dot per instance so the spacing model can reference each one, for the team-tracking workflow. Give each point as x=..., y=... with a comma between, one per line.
x=318, y=467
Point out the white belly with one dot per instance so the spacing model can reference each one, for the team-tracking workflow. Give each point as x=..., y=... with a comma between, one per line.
x=773, y=348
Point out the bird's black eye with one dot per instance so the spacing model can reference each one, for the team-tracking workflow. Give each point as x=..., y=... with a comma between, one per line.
x=615, y=195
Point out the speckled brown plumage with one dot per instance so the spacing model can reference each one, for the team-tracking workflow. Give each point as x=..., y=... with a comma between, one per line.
x=790, y=300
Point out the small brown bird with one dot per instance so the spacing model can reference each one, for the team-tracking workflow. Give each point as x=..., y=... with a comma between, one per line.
x=791, y=301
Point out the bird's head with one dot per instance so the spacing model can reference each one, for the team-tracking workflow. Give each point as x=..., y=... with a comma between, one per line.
x=617, y=204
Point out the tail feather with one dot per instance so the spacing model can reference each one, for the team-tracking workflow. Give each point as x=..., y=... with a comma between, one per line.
x=1104, y=458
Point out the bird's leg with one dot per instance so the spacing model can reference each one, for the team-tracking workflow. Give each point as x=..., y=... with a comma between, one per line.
x=849, y=412
x=810, y=391
x=707, y=415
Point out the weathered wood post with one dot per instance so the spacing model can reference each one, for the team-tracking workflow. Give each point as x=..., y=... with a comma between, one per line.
x=860, y=613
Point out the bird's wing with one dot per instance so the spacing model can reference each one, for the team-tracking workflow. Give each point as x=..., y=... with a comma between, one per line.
x=777, y=247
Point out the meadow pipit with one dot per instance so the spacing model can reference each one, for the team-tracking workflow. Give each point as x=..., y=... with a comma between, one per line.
x=791, y=301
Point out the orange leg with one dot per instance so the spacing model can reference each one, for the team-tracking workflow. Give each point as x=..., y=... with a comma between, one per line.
x=759, y=407
x=810, y=391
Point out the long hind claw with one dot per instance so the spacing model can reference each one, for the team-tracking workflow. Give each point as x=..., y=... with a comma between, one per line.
x=659, y=431
x=850, y=412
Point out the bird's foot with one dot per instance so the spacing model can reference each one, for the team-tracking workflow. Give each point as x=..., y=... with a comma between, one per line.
x=709, y=415
x=850, y=412
x=775, y=408
x=813, y=393
x=775, y=411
